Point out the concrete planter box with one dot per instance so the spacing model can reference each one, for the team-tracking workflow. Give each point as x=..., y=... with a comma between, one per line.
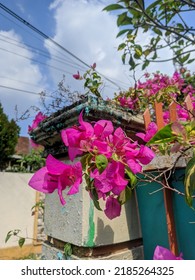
x=78, y=222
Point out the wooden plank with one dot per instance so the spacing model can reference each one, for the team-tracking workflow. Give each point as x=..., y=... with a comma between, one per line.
x=189, y=106
x=159, y=115
x=173, y=111
x=147, y=119
x=171, y=230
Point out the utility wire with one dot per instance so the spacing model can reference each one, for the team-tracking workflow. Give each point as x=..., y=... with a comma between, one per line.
x=13, y=14
x=46, y=42
x=42, y=53
x=37, y=61
x=26, y=91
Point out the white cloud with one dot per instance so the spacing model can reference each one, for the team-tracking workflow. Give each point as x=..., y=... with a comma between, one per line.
x=89, y=33
x=18, y=72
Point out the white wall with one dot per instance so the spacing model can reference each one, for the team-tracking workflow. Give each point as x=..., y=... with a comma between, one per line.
x=16, y=200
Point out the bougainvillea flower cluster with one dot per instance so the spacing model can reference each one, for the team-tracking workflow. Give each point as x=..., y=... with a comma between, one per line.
x=161, y=88
x=38, y=118
x=111, y=154
x=162, y=253
x=59, y=176
x=109, y=161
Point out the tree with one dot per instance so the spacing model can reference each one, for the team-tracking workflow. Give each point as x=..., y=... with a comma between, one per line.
x=167, y=24
x=9, y=132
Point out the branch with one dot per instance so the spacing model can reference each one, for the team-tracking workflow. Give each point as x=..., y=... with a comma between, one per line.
x=190, y=4
x=159, y=24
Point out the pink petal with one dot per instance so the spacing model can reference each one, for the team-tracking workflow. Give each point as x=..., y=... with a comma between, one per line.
x=134, y=166
x=77, y=76
x=85, y=126
x=145, y=155
x=141, y=135
x=55, y=166
x=39, y=181
x=113, y=208
x=103, y=128
x=60, y=189
x=162, y=253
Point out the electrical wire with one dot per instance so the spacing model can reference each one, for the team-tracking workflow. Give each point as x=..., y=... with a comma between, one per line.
x=45, y=36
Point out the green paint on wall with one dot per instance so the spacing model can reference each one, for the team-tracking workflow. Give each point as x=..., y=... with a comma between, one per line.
x=91, y=230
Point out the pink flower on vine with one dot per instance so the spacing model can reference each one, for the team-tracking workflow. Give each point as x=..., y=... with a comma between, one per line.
x=72, y=137
x=59, y=176
x=162, y=253
x=150, y=132
x=113, y=208
x=111, y=179
x=77, y=76
x=38, y=118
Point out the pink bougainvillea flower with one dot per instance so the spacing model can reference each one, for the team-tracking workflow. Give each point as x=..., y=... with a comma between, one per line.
x=93, y=66
x=77, y=76
x=101, y=147
x=111, y=179
x=145, y=155
x=150, y=132
x=103, y=129
x=38, y=118
x=136, y=158
x=72, y=137
x=57, y=175
x=166, y=117
x=134, y=165
x=113, y=208
x=161, y=253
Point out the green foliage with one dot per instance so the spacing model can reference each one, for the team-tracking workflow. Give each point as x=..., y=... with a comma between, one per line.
x=101, y=162
x=189, y=181
x=93, y=81
x=9, y=132
x=32, y=162
x=67, y=250
x=165, y=23
x=15, y=232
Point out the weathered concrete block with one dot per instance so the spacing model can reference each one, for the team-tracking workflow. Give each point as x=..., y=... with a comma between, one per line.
x=81, y=224
x=53, y=253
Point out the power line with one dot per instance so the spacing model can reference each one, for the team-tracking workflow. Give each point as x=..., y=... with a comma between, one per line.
x=46, y=42
x=37, y=61
x=25, y=91
x=40, y=52
x=13, y=14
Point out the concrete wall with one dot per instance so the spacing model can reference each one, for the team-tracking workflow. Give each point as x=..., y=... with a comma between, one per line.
x=16, y=200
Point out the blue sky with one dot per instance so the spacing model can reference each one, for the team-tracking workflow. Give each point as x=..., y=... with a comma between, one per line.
x=32, y=64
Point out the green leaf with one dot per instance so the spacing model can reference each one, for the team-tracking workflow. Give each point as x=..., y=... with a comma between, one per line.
x=9, y=234
x=146, y=63
x=21, y=241
x=85, y=161
x=132, y=63
x=124, y=58
x=184, y=58
x=94, y=197
x=138, y=50
x=132, y=177
x=164, y=135
x=101, y=162
x=190, y=61
x=157, y=31
x=189, y=181
x=67, y=250
x=122, y=32
x=121, y=46
x=125, y=195
x=113, y=7
x=123, y=19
